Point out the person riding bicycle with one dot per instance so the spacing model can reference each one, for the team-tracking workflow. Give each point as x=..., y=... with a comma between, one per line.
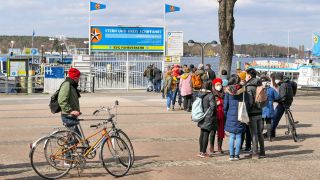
x=285, y=100
x=68, y=100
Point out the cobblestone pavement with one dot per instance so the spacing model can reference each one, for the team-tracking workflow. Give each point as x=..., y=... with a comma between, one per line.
x=166, y=143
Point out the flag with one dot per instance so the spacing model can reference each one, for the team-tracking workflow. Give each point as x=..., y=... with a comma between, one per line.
x=96, y=6
x=33, y=33
x=316, y=45
x=170, y=8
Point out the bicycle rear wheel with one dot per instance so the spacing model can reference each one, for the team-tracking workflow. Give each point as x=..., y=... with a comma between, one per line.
x=48, y=159
x=292, y=127
x=127, y=140
x=115, y=156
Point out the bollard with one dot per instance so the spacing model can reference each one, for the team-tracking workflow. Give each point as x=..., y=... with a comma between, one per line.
x=30, y=82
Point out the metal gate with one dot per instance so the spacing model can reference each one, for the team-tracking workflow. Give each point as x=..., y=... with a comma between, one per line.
x=123, y=70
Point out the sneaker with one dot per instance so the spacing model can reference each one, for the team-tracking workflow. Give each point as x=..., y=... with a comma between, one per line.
x=247, y=150
x=262, y=155
x=231, y=158
x=202, y=155
x=237, y=158
x=181, y=108
x=168, y=109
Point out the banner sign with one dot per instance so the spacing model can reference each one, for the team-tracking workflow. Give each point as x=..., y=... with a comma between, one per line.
x=175, y=43
x=54, y=72
x=127, y=39
x=17, y=68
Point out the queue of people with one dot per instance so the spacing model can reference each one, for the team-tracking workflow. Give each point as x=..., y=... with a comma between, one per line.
x=221, y=99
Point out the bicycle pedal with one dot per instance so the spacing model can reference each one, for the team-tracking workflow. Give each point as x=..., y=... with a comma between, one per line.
x=297, y=122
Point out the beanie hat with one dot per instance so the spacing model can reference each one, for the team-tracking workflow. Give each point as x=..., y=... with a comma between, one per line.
x=242, y=75
x=74, y=73
x=217, y=80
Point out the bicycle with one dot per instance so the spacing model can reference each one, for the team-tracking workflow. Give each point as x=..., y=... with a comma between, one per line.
x=64, y=152
x=291, y=124
x=115, y=131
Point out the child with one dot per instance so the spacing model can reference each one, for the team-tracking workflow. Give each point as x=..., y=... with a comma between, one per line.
x=231, y=101
x=219, y=95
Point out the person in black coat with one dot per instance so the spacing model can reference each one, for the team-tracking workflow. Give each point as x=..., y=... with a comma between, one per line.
x=211, y=74
x=255, y=113
x=210, y=121
x=233, y=95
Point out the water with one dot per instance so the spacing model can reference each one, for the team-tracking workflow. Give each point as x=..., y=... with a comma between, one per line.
x=215, y=61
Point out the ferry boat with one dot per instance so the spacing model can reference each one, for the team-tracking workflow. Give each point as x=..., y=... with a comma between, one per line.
x=305, y=72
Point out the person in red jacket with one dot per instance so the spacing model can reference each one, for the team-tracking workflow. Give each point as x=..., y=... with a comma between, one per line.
x=219, y=95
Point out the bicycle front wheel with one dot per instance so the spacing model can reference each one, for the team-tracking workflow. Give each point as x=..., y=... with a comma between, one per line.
x=115, y=156
x=127, y=140
x=48, y=158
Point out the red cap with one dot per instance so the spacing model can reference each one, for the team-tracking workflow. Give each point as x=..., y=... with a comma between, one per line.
x=74, y=73
x=217, y=80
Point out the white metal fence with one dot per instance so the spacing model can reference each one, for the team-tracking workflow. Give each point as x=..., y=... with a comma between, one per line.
x=122, y=70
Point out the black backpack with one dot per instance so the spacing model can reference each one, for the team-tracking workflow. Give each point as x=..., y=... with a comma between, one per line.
x=294, y=86
x=54, y=105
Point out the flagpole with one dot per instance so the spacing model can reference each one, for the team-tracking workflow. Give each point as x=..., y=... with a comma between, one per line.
x=89, y=31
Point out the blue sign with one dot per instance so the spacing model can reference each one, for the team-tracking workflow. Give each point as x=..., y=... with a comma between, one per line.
x=127, y=39
x=54, y=72
x=33, y=51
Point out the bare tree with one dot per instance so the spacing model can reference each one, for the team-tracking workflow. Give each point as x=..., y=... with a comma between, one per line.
x=226, y=26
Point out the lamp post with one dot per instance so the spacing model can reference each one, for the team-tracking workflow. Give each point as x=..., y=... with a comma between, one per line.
x=12, y=44
x=42, y=60
x=87, y=45
x=62, y=53
x=203, y=46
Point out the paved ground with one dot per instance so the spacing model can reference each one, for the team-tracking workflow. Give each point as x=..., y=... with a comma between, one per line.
x=166, y=143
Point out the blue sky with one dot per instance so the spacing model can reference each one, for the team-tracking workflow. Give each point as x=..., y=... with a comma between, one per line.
x=257, y=21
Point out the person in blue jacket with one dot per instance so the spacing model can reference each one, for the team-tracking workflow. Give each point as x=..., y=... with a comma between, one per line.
x=231, y=102
x=268, y=110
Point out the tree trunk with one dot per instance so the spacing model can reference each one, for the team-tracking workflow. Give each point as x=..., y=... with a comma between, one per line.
x=226, y=26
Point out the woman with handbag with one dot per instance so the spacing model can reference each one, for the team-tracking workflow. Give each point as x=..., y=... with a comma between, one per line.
x=234, y=95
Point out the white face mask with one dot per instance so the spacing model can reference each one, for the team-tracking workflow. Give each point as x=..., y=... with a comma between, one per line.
x=218, y=88
x=277, y=81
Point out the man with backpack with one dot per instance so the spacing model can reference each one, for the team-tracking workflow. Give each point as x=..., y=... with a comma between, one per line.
x=253, y=90
x=68, y=99
x=287, y=89
x=197, y=80
x=148, y=73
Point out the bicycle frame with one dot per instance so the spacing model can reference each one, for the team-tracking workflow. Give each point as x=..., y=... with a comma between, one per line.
x=97, y=144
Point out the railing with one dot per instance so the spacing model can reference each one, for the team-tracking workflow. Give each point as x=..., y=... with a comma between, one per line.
x=31, y=84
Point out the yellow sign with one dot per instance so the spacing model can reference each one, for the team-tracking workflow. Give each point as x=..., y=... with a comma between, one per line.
x=120, y=47
x=168, y=59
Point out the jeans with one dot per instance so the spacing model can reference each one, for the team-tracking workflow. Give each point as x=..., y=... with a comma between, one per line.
x=203, y=140
x=71, y=123
x=195, y=95
x=150, y=85
x=157, y=86
x=187, y=102
x=278, y=113
x=177, y=93
x=256, y=127
x=235, y=138
x=169, y=98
